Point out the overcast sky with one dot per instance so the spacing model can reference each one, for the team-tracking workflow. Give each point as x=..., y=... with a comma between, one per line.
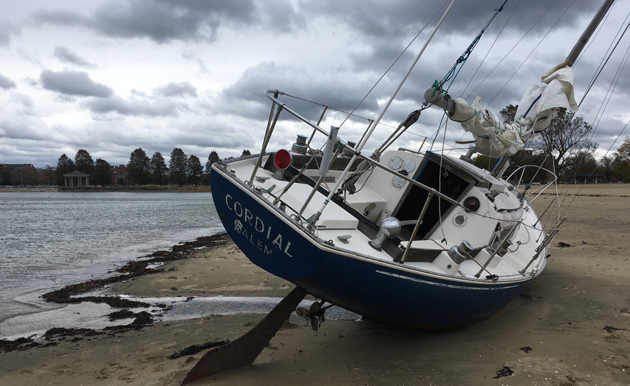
x=112, y=76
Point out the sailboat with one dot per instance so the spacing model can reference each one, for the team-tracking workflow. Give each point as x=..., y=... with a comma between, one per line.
x=410, y=237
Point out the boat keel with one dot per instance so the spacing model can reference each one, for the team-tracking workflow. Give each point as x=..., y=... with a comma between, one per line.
x=244, y=350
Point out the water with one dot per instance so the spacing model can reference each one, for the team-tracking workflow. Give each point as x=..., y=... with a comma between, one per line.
x=94, y=316
x=51, y=239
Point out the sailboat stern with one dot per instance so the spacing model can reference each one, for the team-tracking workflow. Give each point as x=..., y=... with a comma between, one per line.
x=263, y=233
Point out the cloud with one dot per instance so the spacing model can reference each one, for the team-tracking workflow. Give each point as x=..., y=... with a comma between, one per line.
x=6, y=30
x=133, y=107
x=166, y=20
x=158, y=20
x=188, y=55
x=23, y=103
x=67, y=56
x=6, y=83
x=22, y=127
x=76, y=83
x=177, y=90
x=338, y=89
x=63, y=17
x=396, y=18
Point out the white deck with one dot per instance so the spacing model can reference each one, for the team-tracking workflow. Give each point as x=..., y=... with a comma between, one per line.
x=477, y=230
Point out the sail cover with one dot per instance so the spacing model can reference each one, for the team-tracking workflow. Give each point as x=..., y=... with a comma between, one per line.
x=534, y=114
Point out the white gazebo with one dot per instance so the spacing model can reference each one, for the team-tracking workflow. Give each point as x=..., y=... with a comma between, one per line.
x=76, y=179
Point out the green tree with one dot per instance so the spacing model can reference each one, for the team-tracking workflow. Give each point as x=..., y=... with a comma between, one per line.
x=24, y=176
x=622, y=171
x=212, y=158
x=623, y=153
x=159, y=171
x=194, y=170
x=622, y=161
x=578, y=162
x=484, y=162
x=177, y=167
x=102, y=174
x=246, y=152
x=64, y=165
x=607, y=167
x=4, y=177
x=83, y=161
x=138, y=168
x=508, y=113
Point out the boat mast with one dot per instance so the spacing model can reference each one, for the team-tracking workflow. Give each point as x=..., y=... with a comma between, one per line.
x=588, y=32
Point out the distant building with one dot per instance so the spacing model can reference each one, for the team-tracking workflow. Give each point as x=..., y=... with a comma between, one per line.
x=8, y=167
x=76, y=179
x=119, y=175
x=588, y=178
x=18, y=174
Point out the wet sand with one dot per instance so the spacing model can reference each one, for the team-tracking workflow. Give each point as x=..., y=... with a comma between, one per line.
x=571, y=326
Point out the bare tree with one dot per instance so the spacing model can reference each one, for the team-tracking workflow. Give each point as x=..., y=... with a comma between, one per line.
x=565, y=136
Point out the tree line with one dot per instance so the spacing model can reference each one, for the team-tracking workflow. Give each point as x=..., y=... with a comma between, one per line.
x=27, y=176
x=142, y=170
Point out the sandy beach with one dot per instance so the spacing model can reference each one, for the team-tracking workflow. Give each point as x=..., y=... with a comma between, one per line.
x=571, y=326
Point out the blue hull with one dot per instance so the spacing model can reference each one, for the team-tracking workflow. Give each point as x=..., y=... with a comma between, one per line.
x=386, y=291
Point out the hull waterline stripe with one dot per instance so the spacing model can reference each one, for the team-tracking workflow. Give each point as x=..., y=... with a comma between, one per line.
x=445, y=285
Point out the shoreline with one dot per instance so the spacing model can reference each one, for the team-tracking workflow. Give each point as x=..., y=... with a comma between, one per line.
x=571, y=326
x=140, y=266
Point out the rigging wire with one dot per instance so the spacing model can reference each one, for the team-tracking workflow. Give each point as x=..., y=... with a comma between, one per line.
x=603, y=106
x=609, y=52
x=598, y=73
x=599, y=29
x=481, y=64
x=452, y=74
x=512, y=49
x=582, y=186
x=506, y=56
x=392, y=65
x=530, y=53
x=490, y=49
x=606, y=100
x=611, y=90
x=611, y=49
